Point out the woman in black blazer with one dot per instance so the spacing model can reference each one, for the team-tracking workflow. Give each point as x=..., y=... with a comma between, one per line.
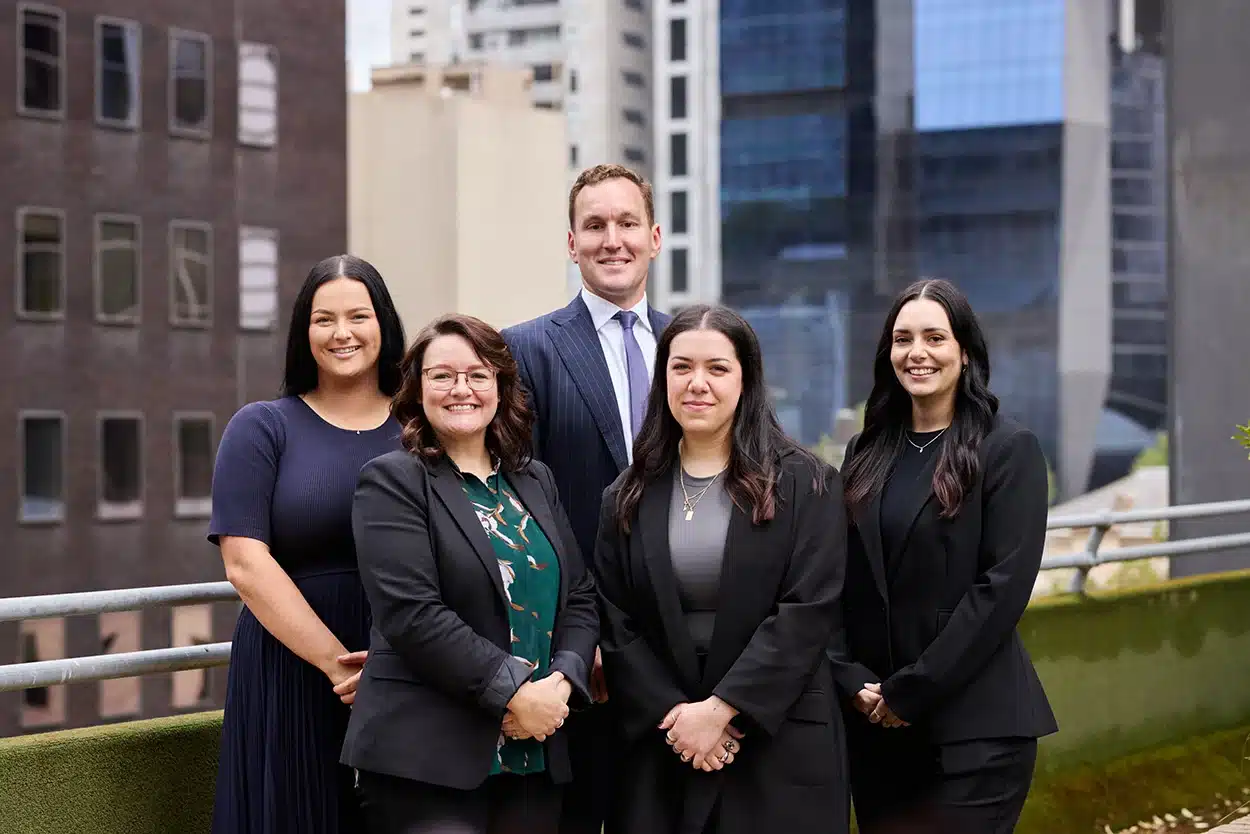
x=948, y=503
x=719, y=563
x=484, y=616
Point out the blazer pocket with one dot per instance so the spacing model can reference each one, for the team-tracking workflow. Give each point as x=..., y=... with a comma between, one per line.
x=388, y=666
x=812, y=706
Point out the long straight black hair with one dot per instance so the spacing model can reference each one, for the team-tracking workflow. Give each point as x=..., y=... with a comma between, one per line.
x=300, y=375
x=887, y=414
x=758, y=441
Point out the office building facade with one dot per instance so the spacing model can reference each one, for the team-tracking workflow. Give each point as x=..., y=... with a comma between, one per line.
x=171, y=172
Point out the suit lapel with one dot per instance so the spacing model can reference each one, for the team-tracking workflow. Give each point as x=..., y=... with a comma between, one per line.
x=535, y=500
x=652, y=527
x=748, y=580
x=577, y=343
x=659, y=321
x=868, y=523
x=447, y=486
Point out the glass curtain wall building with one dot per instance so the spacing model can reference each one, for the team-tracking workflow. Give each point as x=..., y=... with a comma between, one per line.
x=1011, y=147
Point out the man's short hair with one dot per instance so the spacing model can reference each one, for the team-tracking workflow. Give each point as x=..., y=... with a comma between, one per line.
x=603, y=173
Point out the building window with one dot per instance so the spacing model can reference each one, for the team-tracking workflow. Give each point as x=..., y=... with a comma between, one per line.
x=41, y=76
x=680, y=165
x=44, y=639
x=677, y=39
x=547, y=105
x=190, y=273
x=476, y=40
x=258, y=278
x=679, y=270
x=117, y=72
x=573, y=156
x=190, y=90
x=572, y=81
x=119, y=633
x=258, y=95
x=635, y=156
x=121, y=467
x=636, y=5
x=635, y=117
x=42, y=442
x=416, y=33
x=544, y=72
x=193, y=465
x=679, y=210
x=41, y=259
x=677, y=97
x=117, y=269
x=416, y=58
x=635, y=40
x=633, y=79
x=191, y=625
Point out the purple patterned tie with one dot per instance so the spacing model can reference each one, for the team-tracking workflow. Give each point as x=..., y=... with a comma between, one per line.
x=636, y=368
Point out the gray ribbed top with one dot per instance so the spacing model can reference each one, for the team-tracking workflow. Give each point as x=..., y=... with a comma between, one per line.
x=698, y=549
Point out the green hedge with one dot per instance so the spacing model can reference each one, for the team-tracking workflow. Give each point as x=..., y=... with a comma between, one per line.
x=1146, y=685
x=141, y=777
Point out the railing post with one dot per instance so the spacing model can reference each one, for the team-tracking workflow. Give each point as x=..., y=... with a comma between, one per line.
x=1091, y=550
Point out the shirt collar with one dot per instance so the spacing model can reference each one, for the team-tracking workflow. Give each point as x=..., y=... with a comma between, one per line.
x=461, y=475
x=602, y=310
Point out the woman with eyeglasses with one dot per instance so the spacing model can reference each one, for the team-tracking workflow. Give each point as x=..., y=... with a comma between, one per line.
x=484, y=616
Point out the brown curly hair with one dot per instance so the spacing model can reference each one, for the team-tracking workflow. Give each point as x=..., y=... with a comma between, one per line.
x=509, y=435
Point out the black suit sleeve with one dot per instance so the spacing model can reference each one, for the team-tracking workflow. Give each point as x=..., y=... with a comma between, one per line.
x=1013, y=535
x=640, y=682
x=849, y=675
x=390, y=524
x=773, y=669
x=577, y=632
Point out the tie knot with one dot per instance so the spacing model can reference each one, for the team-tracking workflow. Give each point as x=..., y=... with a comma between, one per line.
x=627, y=318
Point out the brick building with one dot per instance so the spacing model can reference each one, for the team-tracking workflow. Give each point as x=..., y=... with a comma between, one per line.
x=168, y=173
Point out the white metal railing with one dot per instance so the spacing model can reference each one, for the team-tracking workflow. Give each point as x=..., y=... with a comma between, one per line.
x=149, y=661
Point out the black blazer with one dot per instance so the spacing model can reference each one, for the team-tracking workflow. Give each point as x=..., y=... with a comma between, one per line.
x=440, y=671
x=940, y=635
x=578, y=432
x=777, y=610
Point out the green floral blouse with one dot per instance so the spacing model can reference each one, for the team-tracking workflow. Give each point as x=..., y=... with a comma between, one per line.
x=531, y=579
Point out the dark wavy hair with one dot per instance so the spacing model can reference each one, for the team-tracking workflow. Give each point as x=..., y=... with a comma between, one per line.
x=758, y=442
x=509, y=435
x=887, y=414
x=300, y=375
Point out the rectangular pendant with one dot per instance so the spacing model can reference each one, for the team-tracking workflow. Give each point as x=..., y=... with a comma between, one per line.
x=689, y=514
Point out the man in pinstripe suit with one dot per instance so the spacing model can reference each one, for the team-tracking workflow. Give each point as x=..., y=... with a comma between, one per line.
x=587, y=367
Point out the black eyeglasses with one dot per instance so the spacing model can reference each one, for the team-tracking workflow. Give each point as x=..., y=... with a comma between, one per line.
x=444, y=379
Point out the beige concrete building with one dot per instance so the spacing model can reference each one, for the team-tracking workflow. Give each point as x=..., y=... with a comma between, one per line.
x=457, y=192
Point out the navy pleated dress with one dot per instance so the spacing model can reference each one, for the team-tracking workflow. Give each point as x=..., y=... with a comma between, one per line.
x=286, y=477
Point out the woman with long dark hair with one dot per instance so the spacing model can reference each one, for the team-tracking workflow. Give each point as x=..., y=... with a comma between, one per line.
x=719, y=562
x=282, y=497
x=948, y=502
x=484, y=620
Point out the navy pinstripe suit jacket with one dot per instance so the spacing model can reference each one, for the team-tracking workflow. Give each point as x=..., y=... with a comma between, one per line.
x=578, y=431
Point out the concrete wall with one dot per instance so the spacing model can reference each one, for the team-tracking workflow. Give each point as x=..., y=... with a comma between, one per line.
x=1209, y=248
x=460, y=201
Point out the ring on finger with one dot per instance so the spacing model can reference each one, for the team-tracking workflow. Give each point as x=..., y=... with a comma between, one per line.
x=685, y=757
x=724, y=757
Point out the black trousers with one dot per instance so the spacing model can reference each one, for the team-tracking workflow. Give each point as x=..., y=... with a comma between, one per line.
x=504, y=804
x=903, y=784
x=594, y=749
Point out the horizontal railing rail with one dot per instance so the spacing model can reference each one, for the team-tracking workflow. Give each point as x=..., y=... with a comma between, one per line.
x=151, y=661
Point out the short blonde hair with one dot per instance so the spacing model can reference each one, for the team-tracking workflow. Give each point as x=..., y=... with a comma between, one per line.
x=603, y=173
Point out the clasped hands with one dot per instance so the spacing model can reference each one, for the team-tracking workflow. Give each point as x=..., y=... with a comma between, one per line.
x=538, y=708
x=871, y=703
x=700, y=733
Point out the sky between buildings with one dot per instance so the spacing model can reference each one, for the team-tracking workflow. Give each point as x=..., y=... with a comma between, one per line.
x=368, y=39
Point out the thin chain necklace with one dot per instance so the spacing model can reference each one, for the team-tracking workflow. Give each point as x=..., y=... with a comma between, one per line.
x=688, y=503
x=926, y=445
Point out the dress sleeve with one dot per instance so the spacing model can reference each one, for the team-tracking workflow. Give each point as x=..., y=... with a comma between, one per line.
x=245, y=473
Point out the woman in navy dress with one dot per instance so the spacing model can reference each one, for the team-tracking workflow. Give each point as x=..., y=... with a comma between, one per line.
x=282, y=496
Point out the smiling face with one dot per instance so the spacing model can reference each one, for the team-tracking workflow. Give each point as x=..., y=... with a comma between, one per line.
x=926, y=358
x=343, y=330
x=704, y=382
x=460, y=394
x=613, y=241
